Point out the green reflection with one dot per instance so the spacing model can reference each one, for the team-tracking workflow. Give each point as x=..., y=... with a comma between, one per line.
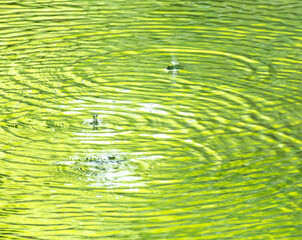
x=150, y=120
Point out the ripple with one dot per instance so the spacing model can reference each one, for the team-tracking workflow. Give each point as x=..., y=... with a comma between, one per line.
x=215, y=145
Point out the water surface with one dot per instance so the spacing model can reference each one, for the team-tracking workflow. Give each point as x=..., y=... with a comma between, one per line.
x=208, y=151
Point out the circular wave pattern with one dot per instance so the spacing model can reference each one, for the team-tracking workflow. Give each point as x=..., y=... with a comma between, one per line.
x=213, y=145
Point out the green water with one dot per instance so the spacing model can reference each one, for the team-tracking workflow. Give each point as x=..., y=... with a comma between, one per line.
x=210, y=150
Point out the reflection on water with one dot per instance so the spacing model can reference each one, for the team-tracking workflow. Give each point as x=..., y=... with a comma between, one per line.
x=150, y=120
x=103, y=170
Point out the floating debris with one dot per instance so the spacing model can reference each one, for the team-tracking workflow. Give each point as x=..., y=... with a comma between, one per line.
x=105, y=158
x=174, y=65
x=95, y=121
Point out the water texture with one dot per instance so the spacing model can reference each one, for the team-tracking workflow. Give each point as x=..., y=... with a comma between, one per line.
x=198, y=133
